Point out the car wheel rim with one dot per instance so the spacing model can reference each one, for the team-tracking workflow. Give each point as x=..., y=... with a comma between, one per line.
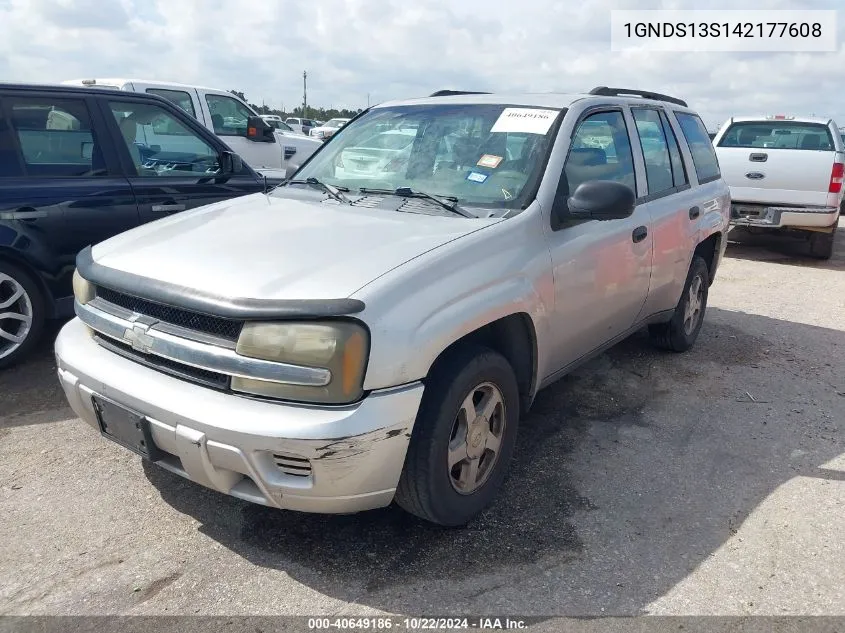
x=15, y=315
x=695, y=300
x=476, y=439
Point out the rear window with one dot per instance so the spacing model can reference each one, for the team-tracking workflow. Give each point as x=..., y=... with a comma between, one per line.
x=778, y=135
x=703, y=155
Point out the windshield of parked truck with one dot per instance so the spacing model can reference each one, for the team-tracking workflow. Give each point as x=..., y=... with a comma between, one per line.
x=480, y=154
x=778, y=135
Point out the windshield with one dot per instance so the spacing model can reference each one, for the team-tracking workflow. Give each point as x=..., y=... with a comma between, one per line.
x=778, y=135
x=334, y=123
x=481, y=154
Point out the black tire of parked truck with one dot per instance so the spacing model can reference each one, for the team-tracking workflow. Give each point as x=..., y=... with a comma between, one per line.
x=22, y=310
x=680, y=334
x=821, y=244
x=467, y=378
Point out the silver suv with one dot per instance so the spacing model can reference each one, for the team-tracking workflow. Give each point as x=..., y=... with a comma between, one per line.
x=375, y=328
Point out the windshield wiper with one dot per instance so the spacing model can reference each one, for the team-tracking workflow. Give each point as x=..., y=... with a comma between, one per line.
x=334, y=192
x=450, y=203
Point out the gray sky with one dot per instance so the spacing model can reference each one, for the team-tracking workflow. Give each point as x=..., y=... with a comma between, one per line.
x=400, y=48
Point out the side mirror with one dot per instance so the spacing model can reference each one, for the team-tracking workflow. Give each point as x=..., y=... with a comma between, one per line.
x=257, y=129
x=291, y=170
x=86, y=150
x=601, y=200
x=230, y=163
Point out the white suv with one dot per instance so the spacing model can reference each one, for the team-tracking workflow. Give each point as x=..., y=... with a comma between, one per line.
x=370, y=334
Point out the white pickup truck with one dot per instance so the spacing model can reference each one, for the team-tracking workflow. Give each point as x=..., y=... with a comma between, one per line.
x=785, y=174
x=265, y=148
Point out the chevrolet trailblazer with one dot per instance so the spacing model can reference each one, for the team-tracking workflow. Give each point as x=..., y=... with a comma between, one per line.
x=375, y=328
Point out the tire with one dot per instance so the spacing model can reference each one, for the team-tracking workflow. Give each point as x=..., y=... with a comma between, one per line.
x=19, y=296
x=428, y=488
x=680, y=334
x=821, y=244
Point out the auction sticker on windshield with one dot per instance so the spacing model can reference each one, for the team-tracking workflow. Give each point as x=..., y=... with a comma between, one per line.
x=525, y=120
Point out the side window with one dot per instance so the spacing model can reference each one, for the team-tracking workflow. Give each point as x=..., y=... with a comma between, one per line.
x=600, y=150
x=703, y=155
x=55, y=137
x=679, y=172
x=179, y=151
x=658, y=167
x=228, y=116
x=178, y=97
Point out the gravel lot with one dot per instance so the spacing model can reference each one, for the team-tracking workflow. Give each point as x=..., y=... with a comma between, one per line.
x=706, y=483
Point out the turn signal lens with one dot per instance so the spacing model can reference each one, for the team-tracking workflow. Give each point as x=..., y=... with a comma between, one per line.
x=83, y=290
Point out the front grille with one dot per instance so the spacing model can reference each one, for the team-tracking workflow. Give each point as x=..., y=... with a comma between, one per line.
x=228, y=329
x=291, y=465
x=165, y=365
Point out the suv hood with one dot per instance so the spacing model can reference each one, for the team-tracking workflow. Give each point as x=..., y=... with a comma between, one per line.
x=268, y=247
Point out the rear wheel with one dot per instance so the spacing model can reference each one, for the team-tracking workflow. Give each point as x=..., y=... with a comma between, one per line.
x=681, y=332
x=821, y=244
x=21, y=314
x=463, y=438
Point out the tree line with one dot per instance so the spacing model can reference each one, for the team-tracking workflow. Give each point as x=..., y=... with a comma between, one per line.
x=320, y=114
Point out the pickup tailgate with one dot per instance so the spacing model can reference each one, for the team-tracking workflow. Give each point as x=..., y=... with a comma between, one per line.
x=762, y=170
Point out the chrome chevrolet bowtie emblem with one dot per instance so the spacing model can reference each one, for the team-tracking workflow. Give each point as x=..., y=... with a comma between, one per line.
x=138, y=338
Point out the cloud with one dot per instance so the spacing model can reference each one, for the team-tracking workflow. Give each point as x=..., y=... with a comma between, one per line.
x=388, y=49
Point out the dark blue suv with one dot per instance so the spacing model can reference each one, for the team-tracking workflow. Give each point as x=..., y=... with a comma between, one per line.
x=79, y=165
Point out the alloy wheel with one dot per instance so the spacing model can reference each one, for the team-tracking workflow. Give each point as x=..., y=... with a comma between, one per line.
x=15, y=315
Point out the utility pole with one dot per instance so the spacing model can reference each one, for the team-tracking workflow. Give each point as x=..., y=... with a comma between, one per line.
x=368, y=99
x=304, y=94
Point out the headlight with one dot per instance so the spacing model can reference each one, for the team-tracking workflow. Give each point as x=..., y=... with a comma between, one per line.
x=83, y=290
x=341, y=347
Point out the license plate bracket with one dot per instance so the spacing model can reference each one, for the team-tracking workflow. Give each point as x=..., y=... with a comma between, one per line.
x=125, y=427
x=745, y=210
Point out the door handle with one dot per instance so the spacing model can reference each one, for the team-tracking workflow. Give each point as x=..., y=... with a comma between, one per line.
x=639, y=234
x=758, y=157
x=168, y=208
x=694, y=212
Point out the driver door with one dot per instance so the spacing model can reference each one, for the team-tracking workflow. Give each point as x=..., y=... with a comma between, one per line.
x=171, y=166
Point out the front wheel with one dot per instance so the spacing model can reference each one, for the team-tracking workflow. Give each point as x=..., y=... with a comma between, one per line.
x=463, y=438
x=681, y=332
x=21, y=314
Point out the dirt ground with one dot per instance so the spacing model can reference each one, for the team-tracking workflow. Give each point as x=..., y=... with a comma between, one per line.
x=711, y=482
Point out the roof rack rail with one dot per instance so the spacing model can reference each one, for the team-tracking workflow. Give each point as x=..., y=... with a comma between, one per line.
x=604, y=91
x=449, y=93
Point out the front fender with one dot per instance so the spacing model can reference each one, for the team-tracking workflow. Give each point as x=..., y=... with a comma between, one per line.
x=428, y=304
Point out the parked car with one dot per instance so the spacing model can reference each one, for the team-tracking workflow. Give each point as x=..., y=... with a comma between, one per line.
x=301, y=125
x=383, y=152
x=268, y=149
x=250, y=349
x=327, y=130
x=79, y=165
x=785, y=175
x=275, y=121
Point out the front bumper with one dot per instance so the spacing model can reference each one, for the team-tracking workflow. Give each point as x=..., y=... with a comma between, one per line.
x=240, y=445
x=783, y=217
